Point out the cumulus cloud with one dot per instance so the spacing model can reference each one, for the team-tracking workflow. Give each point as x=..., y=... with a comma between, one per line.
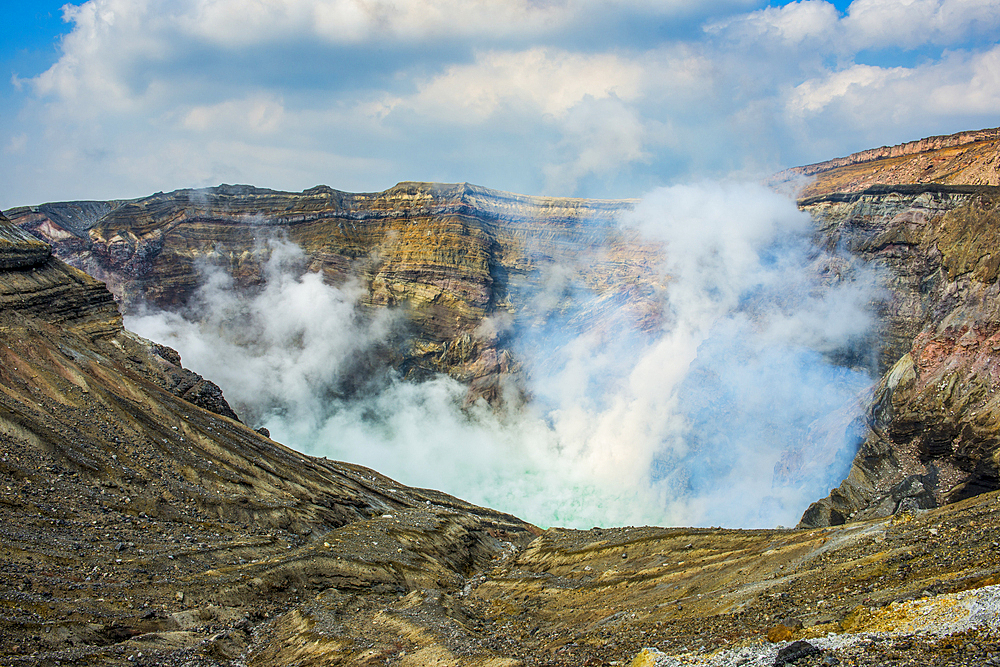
x=256, y=114
x=817, y=94
x=867, y=24
x=791, y=24
x=962, y=85
x=885, y=23
x=599, y=136
x=548, y=82
x=582, y=97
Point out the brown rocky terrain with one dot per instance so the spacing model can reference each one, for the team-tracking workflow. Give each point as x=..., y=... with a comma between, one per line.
x=144, y=524
x=119, y=490
x=965, y=158
x=140, y=528
x=934, y=426
x=451, y=254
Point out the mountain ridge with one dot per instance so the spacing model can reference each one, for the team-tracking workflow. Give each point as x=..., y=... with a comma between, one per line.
x=143, y=528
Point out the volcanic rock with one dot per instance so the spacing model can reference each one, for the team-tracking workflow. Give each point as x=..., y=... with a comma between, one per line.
x=934, y=419
x=453, y=256
x=139, y=527
x=794, y=652
x=137, y=524
x=964, y=158
x=449, y=255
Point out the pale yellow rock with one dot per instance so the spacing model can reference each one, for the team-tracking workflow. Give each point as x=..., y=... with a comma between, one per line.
x=649, y=657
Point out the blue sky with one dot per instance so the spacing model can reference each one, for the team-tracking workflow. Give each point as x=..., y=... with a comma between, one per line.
x=597, y=98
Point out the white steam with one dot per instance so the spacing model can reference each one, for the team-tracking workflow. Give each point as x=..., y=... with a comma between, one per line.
x=281, y=350
x=732, y=414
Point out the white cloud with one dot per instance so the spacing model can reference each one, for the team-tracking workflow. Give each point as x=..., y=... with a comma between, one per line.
x=599, y=136
x=579, y=97
x=107, y=36
x=855, y=83
x=237, y=23
x=960, y=85
x=914, y=23
x=538, y=81
x=868, y=24
x=258, y=114
x=589, y=100
x=976, y=89
x=791, y=24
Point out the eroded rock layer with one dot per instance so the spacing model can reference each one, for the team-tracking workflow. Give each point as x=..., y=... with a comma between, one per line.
x=140, y=529
x=964, y=158
x=450, y=255
x=117, y=489
x=935, y=415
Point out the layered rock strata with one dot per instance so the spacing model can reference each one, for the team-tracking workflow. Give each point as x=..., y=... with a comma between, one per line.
x=140, y=529
x=127, y=509
x=935, y=416
x=964, y=158
x=449, y=255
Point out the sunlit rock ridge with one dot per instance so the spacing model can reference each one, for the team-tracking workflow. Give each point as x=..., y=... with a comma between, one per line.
x=452, y=254
x=926, y=212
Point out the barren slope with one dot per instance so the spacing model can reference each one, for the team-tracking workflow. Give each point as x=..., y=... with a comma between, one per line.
x=965, y=158
x=140, y=529
x=127, y=509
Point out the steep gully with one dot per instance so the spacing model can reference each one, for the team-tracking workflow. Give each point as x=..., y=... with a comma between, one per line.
x=136, y=522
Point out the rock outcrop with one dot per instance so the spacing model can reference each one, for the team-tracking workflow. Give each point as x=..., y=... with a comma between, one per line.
x=127, y=509
x=19, y=249
x=451, y=254
x=935, y=434
x=926, y=214
x=141, y=529
x=965, y=158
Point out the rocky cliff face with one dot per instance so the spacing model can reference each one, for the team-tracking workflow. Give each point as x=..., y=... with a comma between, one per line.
x=126, y=506
x=139, y=528
x=450, y=254
x=453, y=255
x=965, y=158
x=934, y=429
x=925, y=212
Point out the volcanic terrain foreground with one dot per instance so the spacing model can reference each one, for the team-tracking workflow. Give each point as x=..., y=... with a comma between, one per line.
x=140, y=528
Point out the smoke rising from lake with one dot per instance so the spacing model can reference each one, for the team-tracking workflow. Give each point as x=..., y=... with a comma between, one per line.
x=733, y=412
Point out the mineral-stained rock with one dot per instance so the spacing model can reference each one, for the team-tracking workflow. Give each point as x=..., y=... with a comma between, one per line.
x=450, y=256
x=935, y=419
x=19, y=250
x=137, y=528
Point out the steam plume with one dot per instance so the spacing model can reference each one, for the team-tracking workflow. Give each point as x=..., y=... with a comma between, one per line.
x=732, y=414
